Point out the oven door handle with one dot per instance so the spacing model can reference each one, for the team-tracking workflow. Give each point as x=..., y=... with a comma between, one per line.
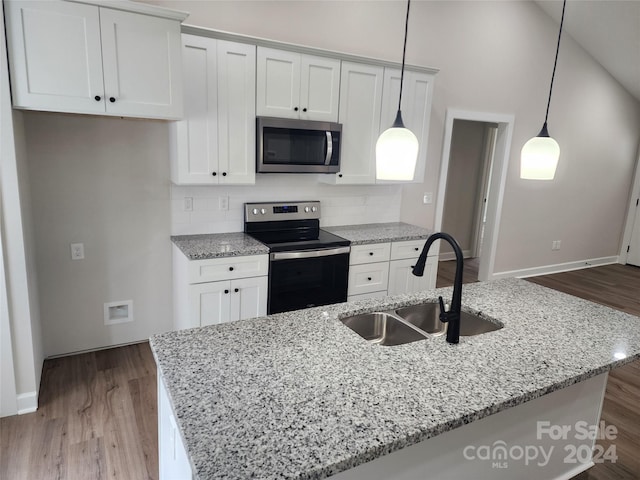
x=308, y=253
x=327, y=159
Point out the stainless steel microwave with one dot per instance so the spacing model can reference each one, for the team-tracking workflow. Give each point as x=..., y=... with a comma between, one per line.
x=297, y=146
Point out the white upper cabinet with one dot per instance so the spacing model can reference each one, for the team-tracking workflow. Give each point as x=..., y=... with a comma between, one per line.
x=215, y=142
x=81, y=58
x=417, y=96
x=360, y=106
x=293, y=85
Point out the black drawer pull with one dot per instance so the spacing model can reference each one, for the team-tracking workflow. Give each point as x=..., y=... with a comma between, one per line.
x=98, y=98
x=214, y=173
x=417, y=248
x=369, y=278
x=112, y=99
x=231, y=269
x=226, y=291
x=236, y=290
x=371, y=253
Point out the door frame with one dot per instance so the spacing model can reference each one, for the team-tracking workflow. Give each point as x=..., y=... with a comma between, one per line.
x=631, y=213
x=497, y=180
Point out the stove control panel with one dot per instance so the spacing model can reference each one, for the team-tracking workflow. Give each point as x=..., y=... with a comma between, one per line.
x=266, y=212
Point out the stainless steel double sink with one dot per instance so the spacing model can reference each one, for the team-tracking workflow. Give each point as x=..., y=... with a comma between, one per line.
x=413, y=323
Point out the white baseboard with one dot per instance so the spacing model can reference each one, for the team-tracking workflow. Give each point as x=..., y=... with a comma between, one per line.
x=27, y=402
x=558, y=268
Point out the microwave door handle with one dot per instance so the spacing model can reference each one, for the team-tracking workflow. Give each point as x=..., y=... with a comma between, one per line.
x=327, y=159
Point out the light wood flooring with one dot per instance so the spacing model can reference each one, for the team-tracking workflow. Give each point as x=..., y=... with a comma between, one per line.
x=97, y=415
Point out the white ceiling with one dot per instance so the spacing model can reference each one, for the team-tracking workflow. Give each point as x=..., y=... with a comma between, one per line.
x=609, y=30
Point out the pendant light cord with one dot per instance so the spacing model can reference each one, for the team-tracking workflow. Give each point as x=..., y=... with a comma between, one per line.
x=404, y=51
x=554, y=63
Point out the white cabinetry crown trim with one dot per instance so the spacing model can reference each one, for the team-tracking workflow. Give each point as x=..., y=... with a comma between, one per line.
x=263, y=42
x=136, y=7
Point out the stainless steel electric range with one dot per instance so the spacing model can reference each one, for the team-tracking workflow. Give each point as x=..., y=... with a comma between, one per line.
x=308, y=266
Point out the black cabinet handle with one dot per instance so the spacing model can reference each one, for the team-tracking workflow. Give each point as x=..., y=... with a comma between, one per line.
x=295, y=109
x=224, y=174
x=112, y=99
x=413, y=266
x=304, y=109
x=371, y=253
x=236, y=290
x=340, y=175
x=226, y=291
x=98, y=98
x=417, y=248
x=231, y=269
x=369, y=278
x=214, y=173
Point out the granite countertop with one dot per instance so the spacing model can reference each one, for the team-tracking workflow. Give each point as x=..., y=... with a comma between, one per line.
x=380, y=232
x=300, y=395
x=214, y=245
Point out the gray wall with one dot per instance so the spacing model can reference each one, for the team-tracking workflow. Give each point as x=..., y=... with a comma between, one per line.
x=103, y=182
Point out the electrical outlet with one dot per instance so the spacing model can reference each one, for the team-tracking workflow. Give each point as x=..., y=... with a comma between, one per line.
x=188, y=204
x=77, y=251
x=427, y=198
x=223, y=202
x=555, y=245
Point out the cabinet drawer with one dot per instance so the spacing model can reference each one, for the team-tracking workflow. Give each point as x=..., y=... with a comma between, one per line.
x=375, y=252
x=368, y=277
x=407, y=249
x=228, y=268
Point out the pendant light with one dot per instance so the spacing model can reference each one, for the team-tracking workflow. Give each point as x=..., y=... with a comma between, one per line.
x=539, y=156
x=397, y=147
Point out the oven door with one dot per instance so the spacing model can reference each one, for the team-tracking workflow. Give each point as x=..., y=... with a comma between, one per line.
x=307, y=278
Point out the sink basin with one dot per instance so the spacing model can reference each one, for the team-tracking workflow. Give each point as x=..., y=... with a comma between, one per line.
x=427, y=317
x=383, y=329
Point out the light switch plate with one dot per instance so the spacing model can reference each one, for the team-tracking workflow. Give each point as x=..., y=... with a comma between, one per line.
x=77, y=251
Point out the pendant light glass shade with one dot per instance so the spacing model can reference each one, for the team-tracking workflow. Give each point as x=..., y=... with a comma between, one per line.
x=396, y=152
x=397, y=147
x=539, y=157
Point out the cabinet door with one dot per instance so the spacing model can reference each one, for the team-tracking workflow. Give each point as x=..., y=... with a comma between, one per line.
x=416, y=109
x=278, y=80
x=210, y=303
x=236, y=113
x=360, y=103
x=401, y=280
x=195, y=138
x=319, y=88
x=172, y=456
x=55, y=56
x=142, y=67
x=249, y=298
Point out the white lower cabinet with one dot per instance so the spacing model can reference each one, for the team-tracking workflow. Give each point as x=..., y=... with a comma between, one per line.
x=380, y=269
x=218, y=290
x=172, y=456
x=402, y=280
x=404, y=256
x=220, y=302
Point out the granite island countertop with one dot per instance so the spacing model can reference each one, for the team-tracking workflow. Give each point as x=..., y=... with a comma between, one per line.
x=300, y=395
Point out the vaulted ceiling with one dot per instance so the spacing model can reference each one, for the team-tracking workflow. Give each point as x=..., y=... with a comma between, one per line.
x=609, y=30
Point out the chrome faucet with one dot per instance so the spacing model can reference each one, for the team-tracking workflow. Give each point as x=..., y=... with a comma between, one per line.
x=453, y=315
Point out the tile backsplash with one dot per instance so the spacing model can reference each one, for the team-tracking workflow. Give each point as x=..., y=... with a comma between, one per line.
x=340, y=204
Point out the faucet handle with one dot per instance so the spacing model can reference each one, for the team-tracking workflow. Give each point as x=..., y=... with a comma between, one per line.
x=444, y=315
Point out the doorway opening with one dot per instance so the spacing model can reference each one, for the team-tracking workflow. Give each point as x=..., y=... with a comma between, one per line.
x=472, y=178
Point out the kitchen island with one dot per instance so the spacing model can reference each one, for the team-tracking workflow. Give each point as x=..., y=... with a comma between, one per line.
x=300, y=395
